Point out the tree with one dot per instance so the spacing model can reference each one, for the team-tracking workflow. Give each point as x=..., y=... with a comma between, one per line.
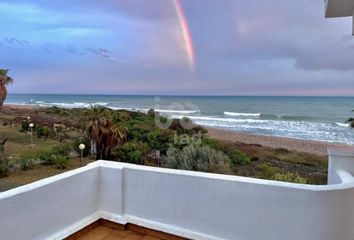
x=105, y=130
x=4, y=81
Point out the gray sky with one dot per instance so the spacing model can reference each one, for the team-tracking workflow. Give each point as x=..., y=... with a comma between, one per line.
x=203, y=47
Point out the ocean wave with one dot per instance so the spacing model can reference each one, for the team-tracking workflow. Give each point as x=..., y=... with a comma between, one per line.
x=176, y=111
x=342, y=124
x=66, y=105
x=131, y=109
x=295, y=117
x=242, y=114
x=217, y=119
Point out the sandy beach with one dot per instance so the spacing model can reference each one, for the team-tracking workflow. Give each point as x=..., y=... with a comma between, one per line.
x=314, y=147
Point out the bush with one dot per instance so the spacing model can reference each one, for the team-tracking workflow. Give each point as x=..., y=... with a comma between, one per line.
x=133, y=152
x=62, y=133
x=177, y=126
x=49, y=156
x=25, y=126
x=61, y=162
x=137, y=134
x=63, y=149
x=44, y=131
x=236, y=156
x=265, y=171
x=46, y=157
x=159, y=140
x=87, y=143
x=197, y=158
x=289, y=177
x=5, y=165
x=273, y=173
x=151, y=113
x=27, y=162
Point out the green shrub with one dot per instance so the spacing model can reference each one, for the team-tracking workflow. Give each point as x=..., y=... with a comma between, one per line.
x=133, y=152
x=58, y=111
x=159, y=140
x=197, y=158
x=61, y=162
x=44, y=131
x=137, y=134
x=63, y=149
x=151, y=113
x=87, y=143
x=62, y=134
x=5, y=165
x=238, y=158
x=24, y=126
x=27, y=162
x=46, y=157
x=177, y=126
x=289, y=177
x=265, y=171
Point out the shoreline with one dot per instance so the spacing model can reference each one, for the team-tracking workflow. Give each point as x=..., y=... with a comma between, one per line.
x=299, y=145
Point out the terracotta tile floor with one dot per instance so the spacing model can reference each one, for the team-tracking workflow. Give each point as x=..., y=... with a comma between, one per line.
x=107, y=233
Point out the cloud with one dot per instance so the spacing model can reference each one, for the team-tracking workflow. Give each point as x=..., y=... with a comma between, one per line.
x=242, y=47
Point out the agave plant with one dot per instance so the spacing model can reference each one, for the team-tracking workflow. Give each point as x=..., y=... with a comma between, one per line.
x=4, y=81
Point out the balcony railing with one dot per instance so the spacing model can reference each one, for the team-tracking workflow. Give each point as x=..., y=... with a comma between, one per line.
x=189, y=204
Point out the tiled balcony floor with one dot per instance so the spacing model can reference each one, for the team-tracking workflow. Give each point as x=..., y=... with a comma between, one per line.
x=107, y=233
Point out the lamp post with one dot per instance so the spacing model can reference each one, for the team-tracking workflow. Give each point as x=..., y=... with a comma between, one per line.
x=82, y=147
x=31, y=125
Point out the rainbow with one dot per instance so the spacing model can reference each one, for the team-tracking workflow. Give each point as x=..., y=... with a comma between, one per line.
x=187, y=37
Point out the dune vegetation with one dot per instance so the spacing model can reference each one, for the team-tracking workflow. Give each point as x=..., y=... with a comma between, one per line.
x=134, y=137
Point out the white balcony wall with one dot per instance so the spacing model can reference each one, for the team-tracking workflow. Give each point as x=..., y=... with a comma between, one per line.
x=190, y=204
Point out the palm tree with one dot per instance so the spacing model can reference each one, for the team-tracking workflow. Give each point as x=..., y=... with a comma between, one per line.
x=104, y=130
x=4, y=81
x=96, y=127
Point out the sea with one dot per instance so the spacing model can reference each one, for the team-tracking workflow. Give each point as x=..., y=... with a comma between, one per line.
x=309, y=118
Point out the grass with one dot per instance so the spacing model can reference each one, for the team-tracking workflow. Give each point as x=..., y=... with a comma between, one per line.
x=18, y=145
x=20, y=177
x=282, y=161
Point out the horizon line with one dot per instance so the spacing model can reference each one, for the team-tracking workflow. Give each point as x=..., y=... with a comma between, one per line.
x=180, y=95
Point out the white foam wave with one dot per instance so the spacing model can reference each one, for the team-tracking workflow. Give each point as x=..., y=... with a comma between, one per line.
x=242, y=114
x=67, y=105
x=217, y=119
x=343, y=124
x=177, y=111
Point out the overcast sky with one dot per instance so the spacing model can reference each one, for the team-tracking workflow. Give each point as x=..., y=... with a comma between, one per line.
x=203, y=47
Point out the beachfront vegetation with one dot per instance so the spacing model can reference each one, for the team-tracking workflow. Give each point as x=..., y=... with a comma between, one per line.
x=196, y=157
x=133, y=137
x=5, y=80
x=351, y=121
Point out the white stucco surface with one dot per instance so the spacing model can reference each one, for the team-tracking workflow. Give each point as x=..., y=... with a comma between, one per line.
x=190, y=204
x=339, y=8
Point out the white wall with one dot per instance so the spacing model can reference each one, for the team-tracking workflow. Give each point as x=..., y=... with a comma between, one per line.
x=190, y=204
x=38, y=210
